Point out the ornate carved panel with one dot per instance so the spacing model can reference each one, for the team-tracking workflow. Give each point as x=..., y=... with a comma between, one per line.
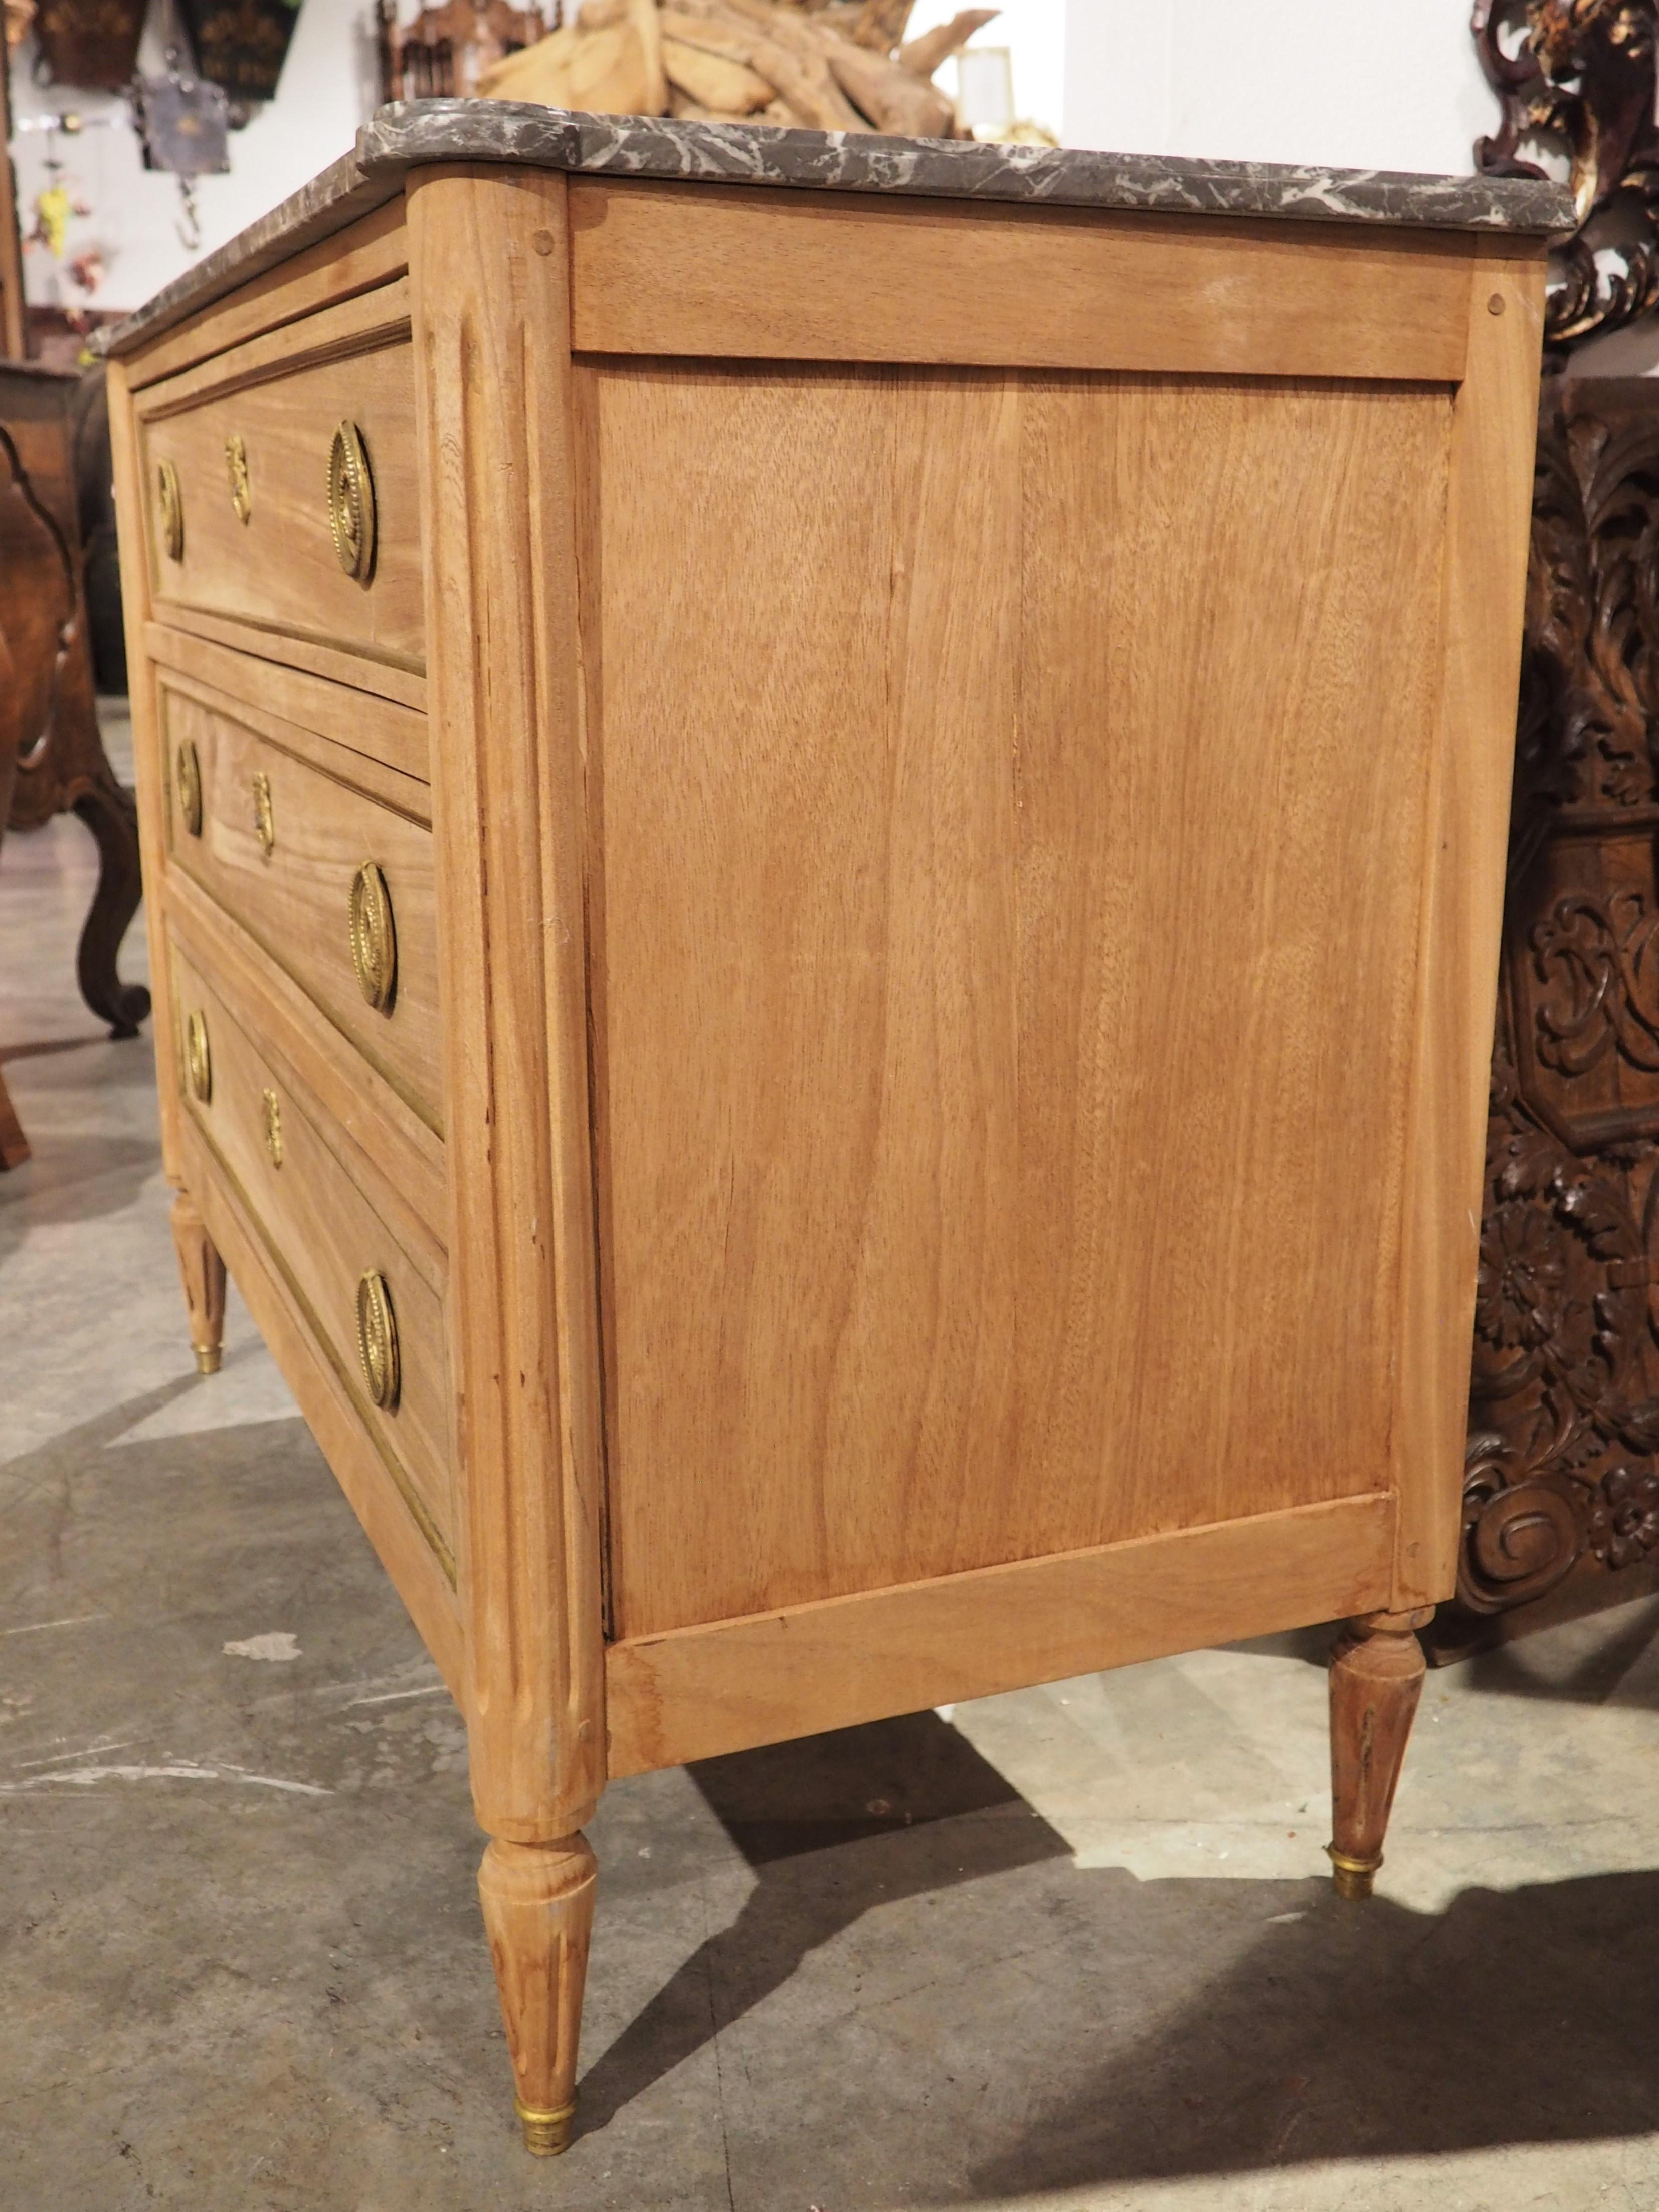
x=1576, y=78
x=1564, y=1451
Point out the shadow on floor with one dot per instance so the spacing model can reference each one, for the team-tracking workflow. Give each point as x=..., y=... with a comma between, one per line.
x=1373, y=2031
x=1293, y=2027
x=892, y=1811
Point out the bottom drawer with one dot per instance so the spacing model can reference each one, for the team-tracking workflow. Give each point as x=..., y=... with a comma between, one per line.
x=372, y=1291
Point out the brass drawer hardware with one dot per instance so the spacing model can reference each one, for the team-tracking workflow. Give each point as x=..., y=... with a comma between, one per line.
x=265, y=820
x=351, y=503
x=271, y=1108
x=377, y=1342
x=173, y=510
x=187, y=779
x=199, y=1061
x=373, y=937
x=241, y=492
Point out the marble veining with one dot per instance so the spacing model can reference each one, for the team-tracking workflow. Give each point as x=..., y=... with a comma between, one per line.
x=409, y=133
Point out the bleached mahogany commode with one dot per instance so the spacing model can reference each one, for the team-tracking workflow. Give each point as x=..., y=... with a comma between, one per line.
x=790, y=968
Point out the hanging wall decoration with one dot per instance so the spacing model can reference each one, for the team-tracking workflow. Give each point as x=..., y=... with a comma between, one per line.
x=184, y=126
x=92, y=43
x=242, y=44
x=443, y=53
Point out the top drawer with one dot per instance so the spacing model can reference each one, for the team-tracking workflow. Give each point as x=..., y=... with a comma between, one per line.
x=280, y=484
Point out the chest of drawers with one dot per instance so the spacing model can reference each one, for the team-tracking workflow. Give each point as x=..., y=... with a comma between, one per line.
x=789, y=966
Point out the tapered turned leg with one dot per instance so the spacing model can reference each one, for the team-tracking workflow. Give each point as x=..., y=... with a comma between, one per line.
x=1376, y=1679
x=203, y=1273
x=538, y=1914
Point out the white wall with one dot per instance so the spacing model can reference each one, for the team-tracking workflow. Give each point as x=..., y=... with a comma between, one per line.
x=1384, y=84
x=1034, y=31
x=328, y=85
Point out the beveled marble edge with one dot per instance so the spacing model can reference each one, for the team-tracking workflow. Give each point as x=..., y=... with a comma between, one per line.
x=407, y=134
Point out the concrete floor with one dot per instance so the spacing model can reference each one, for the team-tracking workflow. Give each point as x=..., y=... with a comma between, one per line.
x=1071, y=1948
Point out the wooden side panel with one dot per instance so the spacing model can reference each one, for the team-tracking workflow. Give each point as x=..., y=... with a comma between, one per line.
x=488, y=256
x=1231, y=631
x=1494, y=440
x=792, y=275
x=700, y=1691
x=998, y=836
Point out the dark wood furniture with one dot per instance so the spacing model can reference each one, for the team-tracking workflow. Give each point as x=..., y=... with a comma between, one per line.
x=1561, y=1500
x=1561, y=1491
x=60, y=762
x=14, y=1146
x=11, y=244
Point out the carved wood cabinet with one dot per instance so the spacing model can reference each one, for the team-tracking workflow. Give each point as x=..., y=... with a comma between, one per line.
x=772, y=768
x=1562, y=1476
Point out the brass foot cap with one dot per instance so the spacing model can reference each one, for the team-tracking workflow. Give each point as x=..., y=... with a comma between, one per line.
x=207, y=1358
x=545, y=2134
x=1353, y=1877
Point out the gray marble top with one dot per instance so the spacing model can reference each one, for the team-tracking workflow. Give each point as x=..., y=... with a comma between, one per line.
x=401, y=136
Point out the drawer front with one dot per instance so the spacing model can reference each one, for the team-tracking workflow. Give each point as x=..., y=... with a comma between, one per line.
x=250, y=505
x=337, y=886
x=306, y=1185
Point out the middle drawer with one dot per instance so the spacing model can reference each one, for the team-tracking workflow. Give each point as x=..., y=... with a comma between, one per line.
x=337, y=886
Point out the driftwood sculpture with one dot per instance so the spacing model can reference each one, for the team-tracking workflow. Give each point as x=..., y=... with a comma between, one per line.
x=828, y=64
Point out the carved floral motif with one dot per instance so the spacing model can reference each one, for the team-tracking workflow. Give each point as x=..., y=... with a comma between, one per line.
x=1564, y=1449
x=1576, y=78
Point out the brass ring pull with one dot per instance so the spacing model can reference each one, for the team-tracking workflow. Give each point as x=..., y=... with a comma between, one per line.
x=373, y=937
x=377, y=1342
x=241, y=491
x=198, y=1059
x=187, y=779
x=270, y=1109
x=265, y=819
x=351, y=503
x=173, y=510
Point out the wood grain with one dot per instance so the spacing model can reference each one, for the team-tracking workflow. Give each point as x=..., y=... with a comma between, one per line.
x=279, y=570
x=293, y=1027
x=328, y=1214
x=330, y=1414
x=295, y=900
x=784, y=276
x=369, y=254
x=377, y=730
x=273, y=649
x=698, y=1692
x=488, y=261
x=1466, y=829
x=985, y=1139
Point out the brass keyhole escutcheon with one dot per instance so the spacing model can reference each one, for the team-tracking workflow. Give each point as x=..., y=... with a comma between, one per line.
x=241, y=491
x=377, y=1342
x=187, y=776
x=351, y=503
x=173, y=510
x=271, y=1108
x=199, y=1061
x=265, y=820
x=373, y=937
